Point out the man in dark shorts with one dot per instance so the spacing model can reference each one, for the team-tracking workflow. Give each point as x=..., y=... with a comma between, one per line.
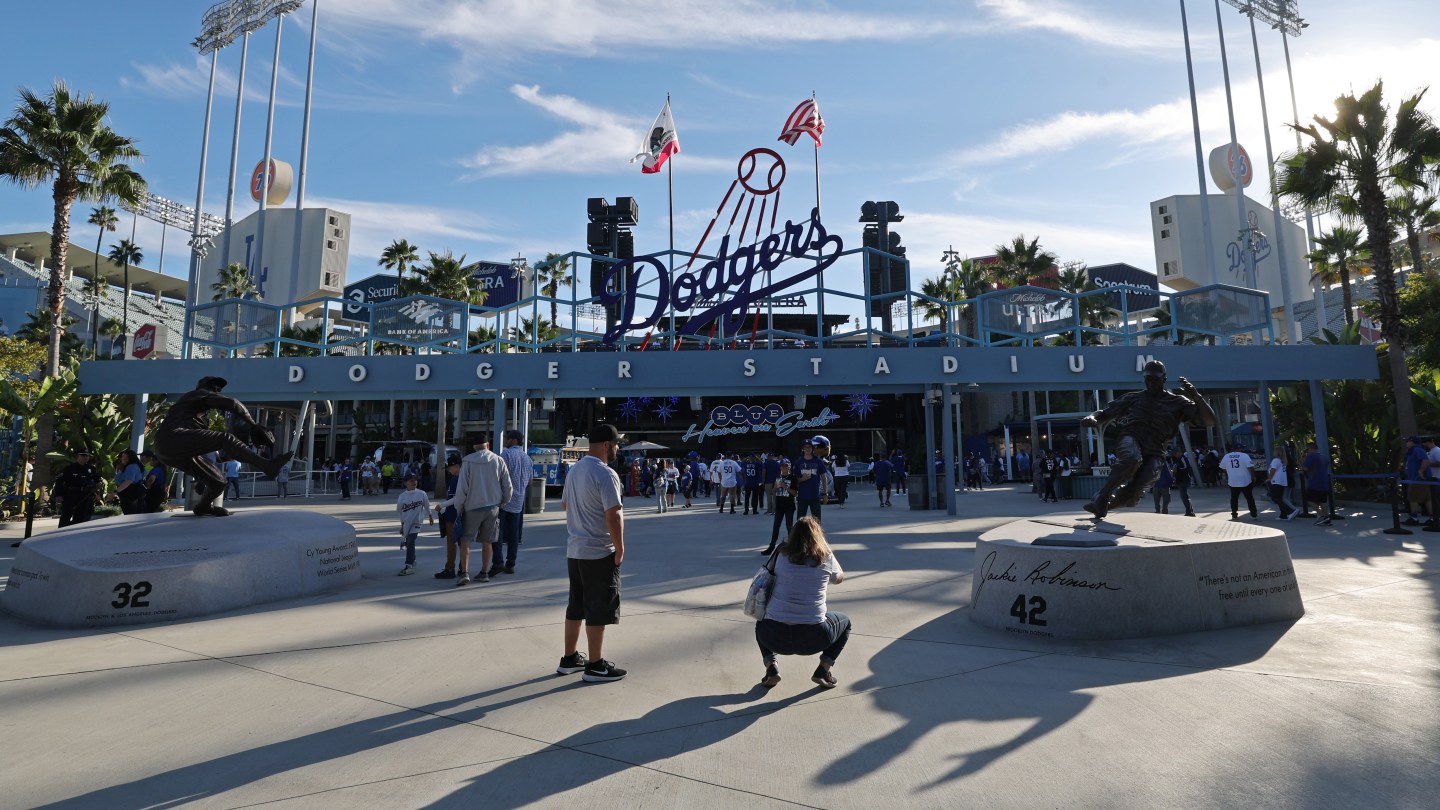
x=595, y=526
x=1147, y=420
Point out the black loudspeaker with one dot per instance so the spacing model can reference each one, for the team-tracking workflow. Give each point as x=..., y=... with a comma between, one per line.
x=597, y=208
x=625, y=245
x=625, y=211
x=597, y=238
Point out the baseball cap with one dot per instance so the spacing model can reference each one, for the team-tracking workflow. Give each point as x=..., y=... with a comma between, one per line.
x=82, y=452
x=412, y=477
x=478, y=438
x=820, y=441
x=604, y=432
x=514, y=434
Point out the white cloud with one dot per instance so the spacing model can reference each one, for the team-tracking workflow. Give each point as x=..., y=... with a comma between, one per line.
x=601, y=141
x=1166, y=129
x=506, y=28
x=1097, y=26
x=374, y=225
x=928, y=235
x=178, y=80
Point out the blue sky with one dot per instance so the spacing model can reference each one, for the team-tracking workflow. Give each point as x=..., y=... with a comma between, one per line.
x=481, y=126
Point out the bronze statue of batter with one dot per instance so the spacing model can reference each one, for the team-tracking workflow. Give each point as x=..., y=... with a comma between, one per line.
x=184, y=437
x=1147, y=420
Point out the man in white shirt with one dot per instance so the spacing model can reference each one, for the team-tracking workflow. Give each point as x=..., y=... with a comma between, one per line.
x=729, y=483
x=1240, y=472
x=1279, y=480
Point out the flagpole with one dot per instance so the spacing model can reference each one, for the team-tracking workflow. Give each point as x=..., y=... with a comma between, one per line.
x=670, y=182
x=820, y=297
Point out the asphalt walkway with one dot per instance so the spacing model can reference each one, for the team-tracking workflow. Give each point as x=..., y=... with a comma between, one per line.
x=407, y=692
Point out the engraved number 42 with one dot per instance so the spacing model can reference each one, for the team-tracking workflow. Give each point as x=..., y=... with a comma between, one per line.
x=1037, y=606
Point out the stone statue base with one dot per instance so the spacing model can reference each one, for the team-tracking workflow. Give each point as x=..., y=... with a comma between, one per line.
x=139, y=569
x=1157, y=575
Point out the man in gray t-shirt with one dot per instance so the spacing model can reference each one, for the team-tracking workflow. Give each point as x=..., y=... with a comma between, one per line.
x=595, y=526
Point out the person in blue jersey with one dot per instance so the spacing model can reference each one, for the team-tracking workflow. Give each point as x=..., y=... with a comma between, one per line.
x=752, y=471
x=810, y=474
x=881, y=469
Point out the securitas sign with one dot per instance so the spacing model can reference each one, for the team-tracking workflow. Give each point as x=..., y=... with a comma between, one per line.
x=720, y=292
x=501, y=286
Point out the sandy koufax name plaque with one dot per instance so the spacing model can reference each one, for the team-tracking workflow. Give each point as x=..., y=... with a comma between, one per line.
x=1165, y=575
x=139, y=569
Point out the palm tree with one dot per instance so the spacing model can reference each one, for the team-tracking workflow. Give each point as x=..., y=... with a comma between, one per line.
x=105, y=219
x=551, y=275
x=1074, y=278
x=1336, y=253
x=398, y=257
x=447, y=277
x=481, y=335
x=126, y=253
x=1417, y=215
x=1355, y=162
x=113, y=331
x=942, y=290
x=537, y=330
x=970, y=281
x=63, y=140
x=1021, y=262
x=37, y=329
x=235, y=282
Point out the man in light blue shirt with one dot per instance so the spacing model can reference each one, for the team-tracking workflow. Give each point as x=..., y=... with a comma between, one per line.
x=595, y=526
x=512, y=512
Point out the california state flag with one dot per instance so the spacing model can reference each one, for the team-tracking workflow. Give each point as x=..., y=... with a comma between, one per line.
x=660, y=144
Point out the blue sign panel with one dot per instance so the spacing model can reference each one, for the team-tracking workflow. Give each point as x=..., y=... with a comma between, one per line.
x=1109, y=275
x=498, y=281
x=376, y=289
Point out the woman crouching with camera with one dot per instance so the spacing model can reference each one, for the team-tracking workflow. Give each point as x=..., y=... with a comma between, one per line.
x=796, y=621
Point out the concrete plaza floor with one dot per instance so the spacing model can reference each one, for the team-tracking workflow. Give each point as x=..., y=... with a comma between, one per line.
x=406, y=692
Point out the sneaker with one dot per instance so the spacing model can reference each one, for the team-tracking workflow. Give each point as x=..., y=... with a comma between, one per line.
x=1410, y=521
x=824, y=677
x=509, y=569
x=494, y=570
x=463, y=580
x=446, y=574
x=772, y=676
x=483, y=576
x=572, y=663
x=602, y=671
x=406, y=571
x=1293, y=514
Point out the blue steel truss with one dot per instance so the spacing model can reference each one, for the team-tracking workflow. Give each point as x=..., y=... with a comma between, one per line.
x=1023, y=316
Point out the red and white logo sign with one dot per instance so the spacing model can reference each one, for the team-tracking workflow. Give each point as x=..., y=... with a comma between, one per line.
x=144, y=344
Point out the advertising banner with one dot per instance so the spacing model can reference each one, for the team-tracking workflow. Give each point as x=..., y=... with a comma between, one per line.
x=1109, y=275
x=418, y=319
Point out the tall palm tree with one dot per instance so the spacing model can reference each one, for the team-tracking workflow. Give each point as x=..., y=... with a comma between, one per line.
x=1020, y=262
x=63, y=140
x=1075, y=278
x=105, y=219
x=399, y=256
x=551, y=275
x=126, y=253
x=1336, y=253
x=537, y=330
x=112, y=332
x=1357, y=161
x=1416, y=214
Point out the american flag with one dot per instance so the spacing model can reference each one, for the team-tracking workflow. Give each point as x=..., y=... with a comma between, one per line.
x=805, y=120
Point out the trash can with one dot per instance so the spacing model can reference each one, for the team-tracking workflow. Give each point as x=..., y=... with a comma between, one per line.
x=535, y=496
x=919, y=488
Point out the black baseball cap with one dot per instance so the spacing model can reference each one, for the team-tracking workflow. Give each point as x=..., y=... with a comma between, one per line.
x=604, y=432
x=82, y=452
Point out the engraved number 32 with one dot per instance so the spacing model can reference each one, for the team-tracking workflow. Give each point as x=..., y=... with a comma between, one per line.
x=127, y=595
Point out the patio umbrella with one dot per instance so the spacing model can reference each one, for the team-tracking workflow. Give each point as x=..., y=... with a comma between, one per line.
x=641, y=446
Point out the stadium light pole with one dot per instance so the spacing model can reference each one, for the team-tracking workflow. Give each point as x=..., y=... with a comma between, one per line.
x=1235, y=163
x=1292, y=329
x=294, y=290
x=1199, y=148
x=266, y=176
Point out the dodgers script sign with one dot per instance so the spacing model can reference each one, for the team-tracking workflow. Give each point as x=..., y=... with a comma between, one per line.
x=730, y=272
